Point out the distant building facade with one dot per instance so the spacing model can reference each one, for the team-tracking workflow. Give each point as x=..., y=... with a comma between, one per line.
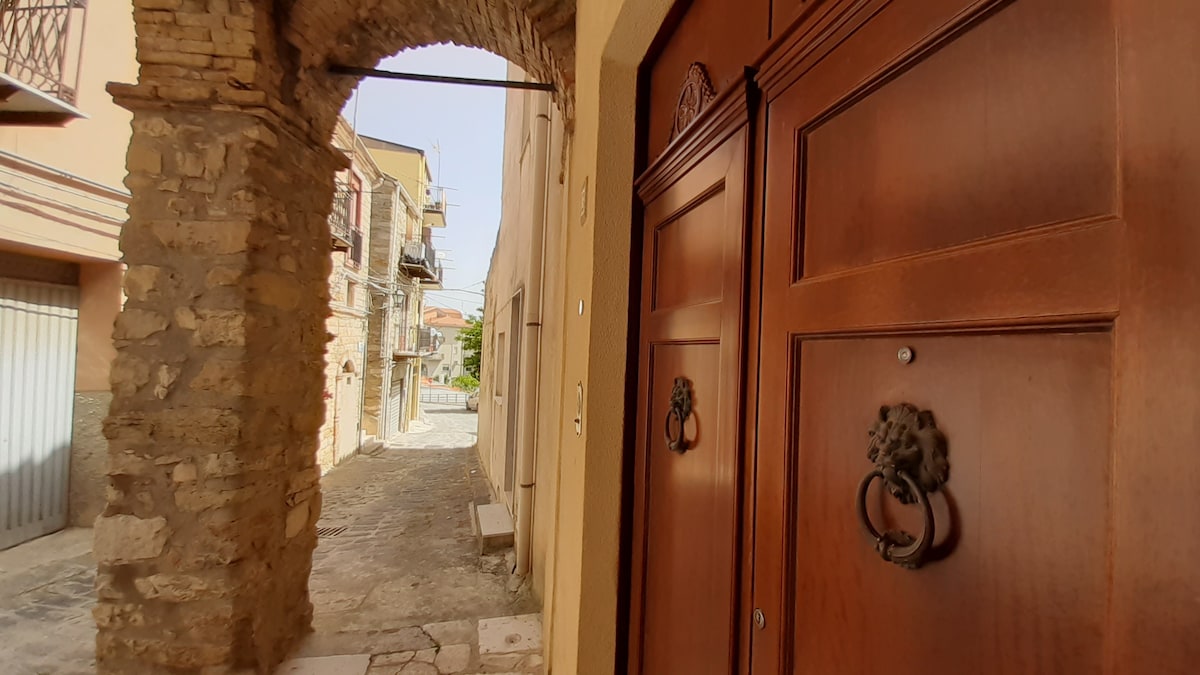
x=447, y=362
x=404, y=264
x=350, y=229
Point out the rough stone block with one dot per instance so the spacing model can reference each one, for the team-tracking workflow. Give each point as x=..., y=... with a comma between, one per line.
x=453, y=658
x=140, y=280
x=165, y=376
x=143, y=157
x=184, y=472
x=222, y=276
x=297, y=518
x=124, y=539
x=136, y=324
x=216, y=237
x=128, y=374
x=220, y=328
x=180, y=587
x=220, y=375
x=452, y=632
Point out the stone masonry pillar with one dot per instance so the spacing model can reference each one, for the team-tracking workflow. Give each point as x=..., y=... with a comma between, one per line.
x=205, y=546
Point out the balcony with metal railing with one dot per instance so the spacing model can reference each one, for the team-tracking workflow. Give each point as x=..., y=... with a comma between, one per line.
x=344, y=232
x=41, y=46
x=428, y=340
x=435, y=207
x=435, y=199
x=420, y=261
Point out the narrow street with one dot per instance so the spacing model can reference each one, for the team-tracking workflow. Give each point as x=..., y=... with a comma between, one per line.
x=397, y=573
x=398, y=586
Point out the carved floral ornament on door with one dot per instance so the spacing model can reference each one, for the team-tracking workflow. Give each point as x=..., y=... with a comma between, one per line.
x=695, y=95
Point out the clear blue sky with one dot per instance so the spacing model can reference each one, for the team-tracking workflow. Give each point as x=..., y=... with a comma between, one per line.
x=468, y=124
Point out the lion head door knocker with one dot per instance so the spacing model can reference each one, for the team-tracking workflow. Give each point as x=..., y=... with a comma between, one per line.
x=677, y=414
x=909, y=454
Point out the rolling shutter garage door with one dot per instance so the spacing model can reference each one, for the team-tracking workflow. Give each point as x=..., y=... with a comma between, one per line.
x=38, y=323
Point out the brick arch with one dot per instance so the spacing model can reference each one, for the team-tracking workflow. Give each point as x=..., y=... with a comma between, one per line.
x=537, y=35
x=205, y=545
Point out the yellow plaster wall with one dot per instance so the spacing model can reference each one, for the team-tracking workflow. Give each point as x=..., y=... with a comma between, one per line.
x=613, y=38
x=507, y=275
x=511, y=271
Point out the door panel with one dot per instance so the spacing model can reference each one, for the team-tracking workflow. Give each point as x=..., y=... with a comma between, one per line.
x=950, y=145
x=690, y=241
x=687, y=546
x=1024, y=416
x=944, y=177
x=690, y=502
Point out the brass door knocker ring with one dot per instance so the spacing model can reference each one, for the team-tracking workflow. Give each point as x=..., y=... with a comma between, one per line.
x=909, y=454
x=677, y=414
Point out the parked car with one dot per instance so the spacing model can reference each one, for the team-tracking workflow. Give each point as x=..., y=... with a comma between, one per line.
x=473, y=401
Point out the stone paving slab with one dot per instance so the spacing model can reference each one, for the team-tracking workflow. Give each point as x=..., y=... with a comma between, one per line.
x=46, y=600
x=354, y=664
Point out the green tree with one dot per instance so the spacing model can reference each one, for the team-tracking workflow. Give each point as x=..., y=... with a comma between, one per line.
x=465, y=383
x=471, y=338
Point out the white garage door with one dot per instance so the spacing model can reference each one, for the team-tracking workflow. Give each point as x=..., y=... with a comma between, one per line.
x=38, y=324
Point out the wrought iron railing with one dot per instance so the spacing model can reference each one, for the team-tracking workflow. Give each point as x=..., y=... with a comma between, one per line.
x=420, y=260
x=341, y=213
x=428, y=339
x=435, y=199
x=41, y=44
x=443, y=396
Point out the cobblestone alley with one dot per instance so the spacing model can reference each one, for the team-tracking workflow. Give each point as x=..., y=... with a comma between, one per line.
x=397, y=585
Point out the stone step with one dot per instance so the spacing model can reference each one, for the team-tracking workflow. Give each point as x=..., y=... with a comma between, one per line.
x=493, y=527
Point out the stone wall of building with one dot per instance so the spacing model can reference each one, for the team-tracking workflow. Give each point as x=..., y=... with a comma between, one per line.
x=350, y=302
x=344, y=365
x=386, y=219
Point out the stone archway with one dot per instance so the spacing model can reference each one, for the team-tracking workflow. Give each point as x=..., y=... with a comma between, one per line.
x=206, y=542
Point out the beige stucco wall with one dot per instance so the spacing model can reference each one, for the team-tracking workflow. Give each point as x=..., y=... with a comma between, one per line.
x=577, y=509
x=507, y=276
x=582, y=589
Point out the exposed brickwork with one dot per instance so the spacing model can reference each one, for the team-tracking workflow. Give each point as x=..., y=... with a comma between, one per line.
x=206, y=541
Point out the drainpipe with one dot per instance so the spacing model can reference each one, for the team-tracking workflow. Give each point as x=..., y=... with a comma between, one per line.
x=532, y=342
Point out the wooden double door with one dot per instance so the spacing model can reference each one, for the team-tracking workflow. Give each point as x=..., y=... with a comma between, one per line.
x=919, y=363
